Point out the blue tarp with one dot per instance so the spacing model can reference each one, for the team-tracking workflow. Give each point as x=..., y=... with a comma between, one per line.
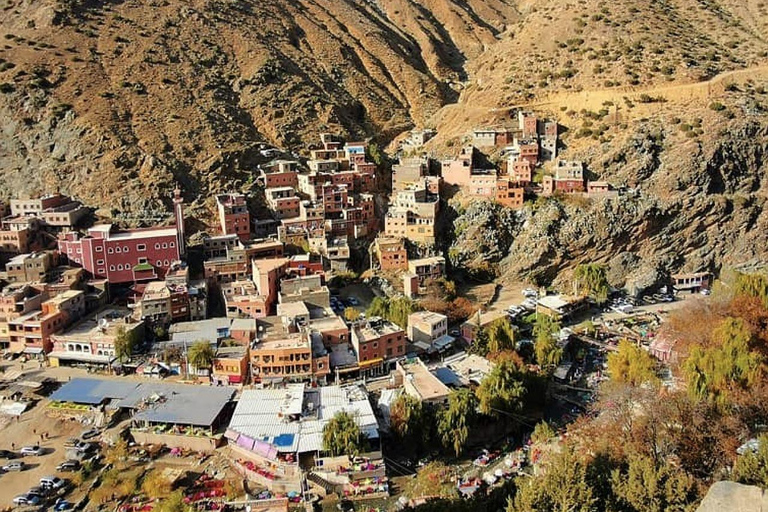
x=93, y=391
x=446, y=376
x=283, y=440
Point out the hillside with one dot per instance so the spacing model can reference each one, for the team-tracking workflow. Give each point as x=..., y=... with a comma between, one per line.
x=113, y=102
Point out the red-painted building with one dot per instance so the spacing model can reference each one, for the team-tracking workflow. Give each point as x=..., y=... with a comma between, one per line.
x=122, y=256
x=233, y=215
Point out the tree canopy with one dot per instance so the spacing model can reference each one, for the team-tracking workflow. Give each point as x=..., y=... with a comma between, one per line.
x=563, y=487
x=395, y=310
x=501, y=335
x=752, y=285
x=409, y=422
x=715, y=371
x=751, y=468
x=548, y=354
x=502, y=390
x=125, y=342
x=646, y=486
x=591, y=279
x=342, y=435
x=631, y=365
x=201, y=354
x=455, y=420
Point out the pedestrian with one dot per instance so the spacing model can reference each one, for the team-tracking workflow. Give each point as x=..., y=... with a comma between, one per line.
x=13, y=445
x=34, y=431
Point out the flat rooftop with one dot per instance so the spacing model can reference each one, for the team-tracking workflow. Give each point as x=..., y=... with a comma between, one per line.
x=181, y=404
x=424, y=383
x=101, y=326
x=291, y=419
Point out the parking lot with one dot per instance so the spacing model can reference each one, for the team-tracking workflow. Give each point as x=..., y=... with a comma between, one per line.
x=26, y=431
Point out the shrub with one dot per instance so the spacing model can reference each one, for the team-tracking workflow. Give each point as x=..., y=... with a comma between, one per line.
x=716, y=106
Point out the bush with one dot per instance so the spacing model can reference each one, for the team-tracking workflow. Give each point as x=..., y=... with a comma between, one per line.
x=7, y=88
x=716, y=106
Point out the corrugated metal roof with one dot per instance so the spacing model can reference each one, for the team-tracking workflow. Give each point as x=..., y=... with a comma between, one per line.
x=92, y=391
x=259, y=415
x=182, y=404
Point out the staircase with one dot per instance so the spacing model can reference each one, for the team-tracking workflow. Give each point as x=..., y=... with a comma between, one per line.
x=321, y=482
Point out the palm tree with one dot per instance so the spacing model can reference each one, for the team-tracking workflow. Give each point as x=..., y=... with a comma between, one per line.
x=201, y=354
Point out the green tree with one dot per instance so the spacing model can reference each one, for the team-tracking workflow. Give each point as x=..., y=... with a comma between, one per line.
x=753, y=285
x=351, y=314
x=408, y=421
x=454, y=421
x=125, y=342
x=631, y=365
x=173, y=503
x=342, y=435
x=501, y=336
x=155, y=484
x=502, y=390
x=548, y=354
x=751, y=468
x=201, y=354
x=379, y=307
x=729, y=364
x=644, y=486
x=563, y=487
x=591, y=279
x=481, y=343
x=542, y=432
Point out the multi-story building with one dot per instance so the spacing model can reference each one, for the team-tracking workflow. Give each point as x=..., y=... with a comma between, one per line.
x=391, y=253
x=233, y=215
x=378, y=343
x=92, y=340
x=123, y=256
x=307, y=289
x=528, y=123
x=242, y=300
x=426, y=326
x=284, y=353
x=230, y=365
x=278, y=173
x=408, y=171
x=283, y=202
x=266, y=275
x=520, y=171
x=427, y=268
x=567, y=177
x=16, y=300
x=31, y=333
x=509, y=193
x=457, y=171
x=29, y=267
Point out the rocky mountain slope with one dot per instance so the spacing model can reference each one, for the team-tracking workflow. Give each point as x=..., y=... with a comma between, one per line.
x=695, y=197
x=112, y=102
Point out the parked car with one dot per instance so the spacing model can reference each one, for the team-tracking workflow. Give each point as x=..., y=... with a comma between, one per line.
x=84, y=446
x=38, y=491
x=353, y=301
x=705, y=291
x=16, y=465
x=71, y=442
x=61, y=505
x=91, y=432
x=530, y=292
x=68, y=465
x=52, y=482
x=31, y=450
x=26, y=499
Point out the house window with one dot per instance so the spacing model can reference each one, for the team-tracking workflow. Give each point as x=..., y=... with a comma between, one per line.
x=100, y=271
x=117, y=249
x=110, y=250
x=125, y=249
x=142, y=260
x=141, y=247
x=157, y=246
x=99, y=249
x=112, y=268
x=99, y=262
x=159, y=263
x=172, y=245
x=119, y=266
x=166, y=262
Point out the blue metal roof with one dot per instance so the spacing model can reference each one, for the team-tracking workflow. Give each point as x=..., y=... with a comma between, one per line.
x=184, y=404
x=93, y=391
x=446, y=376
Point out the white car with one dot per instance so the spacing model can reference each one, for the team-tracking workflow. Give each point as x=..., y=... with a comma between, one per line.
x=530, y=292
x=26, y=499
x=52, y=482
x=31, y=450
